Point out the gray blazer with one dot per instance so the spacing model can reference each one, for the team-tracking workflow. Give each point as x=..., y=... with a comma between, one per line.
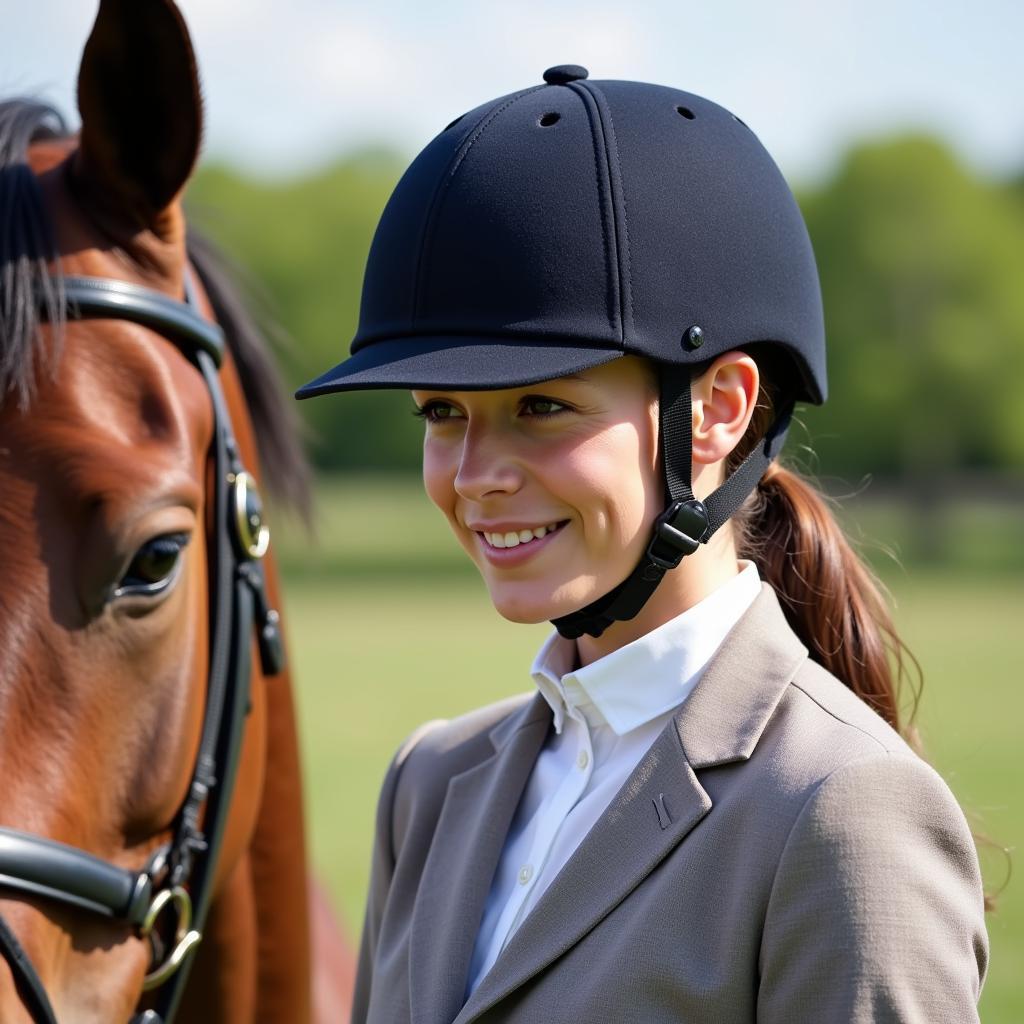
x=811, y=868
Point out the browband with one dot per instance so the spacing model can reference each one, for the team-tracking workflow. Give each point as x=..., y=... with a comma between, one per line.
x=99, y=297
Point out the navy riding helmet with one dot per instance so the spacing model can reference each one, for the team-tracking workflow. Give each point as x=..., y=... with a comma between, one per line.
x=574, y=222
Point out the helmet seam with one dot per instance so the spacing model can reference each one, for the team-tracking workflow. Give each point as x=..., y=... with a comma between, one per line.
x=617, y=190
x=442, y=189
x=607, y=205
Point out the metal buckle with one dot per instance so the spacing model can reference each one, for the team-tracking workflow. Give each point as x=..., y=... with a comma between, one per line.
x=693, y=517
x=185, y=937
x=251, y=531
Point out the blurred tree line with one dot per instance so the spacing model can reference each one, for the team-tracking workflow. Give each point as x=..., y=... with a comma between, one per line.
x=922, y=269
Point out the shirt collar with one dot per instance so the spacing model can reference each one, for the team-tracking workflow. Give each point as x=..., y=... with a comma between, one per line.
x=653, y=674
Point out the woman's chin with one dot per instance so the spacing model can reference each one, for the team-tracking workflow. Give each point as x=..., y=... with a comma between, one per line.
x=519, y=605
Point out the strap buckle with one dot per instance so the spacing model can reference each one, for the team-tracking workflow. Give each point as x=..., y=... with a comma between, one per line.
x=185, y=936
x=678, y=532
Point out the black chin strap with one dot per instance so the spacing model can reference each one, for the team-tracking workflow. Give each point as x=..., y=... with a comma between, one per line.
x=687, y=522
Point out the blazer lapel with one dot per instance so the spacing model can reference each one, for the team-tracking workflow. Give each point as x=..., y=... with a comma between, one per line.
x=661, y=801
x=476, y=815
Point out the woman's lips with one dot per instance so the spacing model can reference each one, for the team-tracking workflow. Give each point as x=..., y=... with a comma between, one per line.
x=515, y=554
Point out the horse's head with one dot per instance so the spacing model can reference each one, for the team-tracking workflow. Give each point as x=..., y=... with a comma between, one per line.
x=108, y=522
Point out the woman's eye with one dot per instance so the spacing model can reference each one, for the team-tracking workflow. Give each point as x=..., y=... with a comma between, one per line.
x=537, y=405
x=435, y=412
x=154, y=567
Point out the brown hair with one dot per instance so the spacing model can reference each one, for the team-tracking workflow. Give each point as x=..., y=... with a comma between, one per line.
x=831, y=598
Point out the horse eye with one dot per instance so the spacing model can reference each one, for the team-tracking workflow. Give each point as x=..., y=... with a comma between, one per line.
x=154, y=567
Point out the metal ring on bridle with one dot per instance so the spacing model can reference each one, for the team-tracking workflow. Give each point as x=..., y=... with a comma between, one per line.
x=251, y=531
x=185, y=938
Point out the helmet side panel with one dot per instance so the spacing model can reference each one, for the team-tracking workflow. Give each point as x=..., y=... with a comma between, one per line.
x=715, y=237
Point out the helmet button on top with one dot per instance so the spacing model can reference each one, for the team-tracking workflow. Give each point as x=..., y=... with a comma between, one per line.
x=563, y=74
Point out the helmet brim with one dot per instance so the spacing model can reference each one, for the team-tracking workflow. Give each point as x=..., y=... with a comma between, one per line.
x=457, y=364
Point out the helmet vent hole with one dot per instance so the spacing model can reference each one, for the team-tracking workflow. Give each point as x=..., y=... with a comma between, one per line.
x=452, y=124
x=685, y=112
x=547, y=120
x=741, y=121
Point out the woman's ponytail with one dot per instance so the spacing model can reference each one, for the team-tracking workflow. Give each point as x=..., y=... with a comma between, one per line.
x=831, y=598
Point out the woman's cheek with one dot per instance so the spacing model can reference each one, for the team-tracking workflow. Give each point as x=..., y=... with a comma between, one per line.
x=438, y=478
x=439, y=483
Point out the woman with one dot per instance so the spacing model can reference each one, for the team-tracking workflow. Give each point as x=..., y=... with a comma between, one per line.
x=603, y=298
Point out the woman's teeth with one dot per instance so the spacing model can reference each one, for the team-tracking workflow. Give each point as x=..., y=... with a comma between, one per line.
x=515, y=538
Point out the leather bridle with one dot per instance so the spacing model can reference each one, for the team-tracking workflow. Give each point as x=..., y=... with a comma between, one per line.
x=178, y=877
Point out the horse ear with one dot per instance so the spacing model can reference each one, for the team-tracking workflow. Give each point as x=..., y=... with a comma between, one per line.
x=138, y=94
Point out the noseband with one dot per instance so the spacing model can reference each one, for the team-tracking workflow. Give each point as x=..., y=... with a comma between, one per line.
x=178, y=878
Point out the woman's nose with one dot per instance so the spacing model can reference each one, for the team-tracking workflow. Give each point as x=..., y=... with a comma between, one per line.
x=487, y=465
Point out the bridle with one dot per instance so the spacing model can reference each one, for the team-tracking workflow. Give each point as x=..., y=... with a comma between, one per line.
x=178, y=877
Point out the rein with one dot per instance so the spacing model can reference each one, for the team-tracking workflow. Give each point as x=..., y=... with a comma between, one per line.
x=178, y=878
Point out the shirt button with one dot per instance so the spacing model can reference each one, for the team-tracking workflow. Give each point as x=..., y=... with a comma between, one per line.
x=525, y=874
x=582, y=760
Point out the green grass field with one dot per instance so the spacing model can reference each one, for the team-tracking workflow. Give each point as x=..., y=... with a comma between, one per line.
x=389, y=628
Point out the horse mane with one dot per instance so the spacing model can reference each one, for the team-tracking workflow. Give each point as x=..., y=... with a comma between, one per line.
x=232, y=294
x=28, y=247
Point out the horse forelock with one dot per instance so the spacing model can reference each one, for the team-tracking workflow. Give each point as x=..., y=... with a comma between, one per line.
x=27, y=247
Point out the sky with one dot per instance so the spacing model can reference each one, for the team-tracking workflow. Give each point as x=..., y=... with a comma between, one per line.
x=291, y=86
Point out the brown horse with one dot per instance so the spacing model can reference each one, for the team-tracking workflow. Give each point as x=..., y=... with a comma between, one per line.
x=107, y=545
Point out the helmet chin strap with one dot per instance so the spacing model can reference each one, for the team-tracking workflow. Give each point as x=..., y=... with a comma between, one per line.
x=687, y=522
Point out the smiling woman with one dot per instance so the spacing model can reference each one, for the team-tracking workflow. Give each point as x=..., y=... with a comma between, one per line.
x=604, y=300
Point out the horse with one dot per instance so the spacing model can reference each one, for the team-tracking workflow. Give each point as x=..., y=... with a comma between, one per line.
x=151, y=784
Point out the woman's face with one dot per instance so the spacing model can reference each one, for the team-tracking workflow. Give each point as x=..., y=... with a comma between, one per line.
x=551, y=488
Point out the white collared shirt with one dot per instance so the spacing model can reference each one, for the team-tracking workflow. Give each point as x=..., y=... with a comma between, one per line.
x=606, y=716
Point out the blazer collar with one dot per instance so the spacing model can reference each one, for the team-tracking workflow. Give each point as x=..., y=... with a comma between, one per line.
x=730, y=707
x=653, y=674
x=660, y=803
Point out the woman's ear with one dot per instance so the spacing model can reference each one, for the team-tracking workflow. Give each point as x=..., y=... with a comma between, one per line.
x=724, y=398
